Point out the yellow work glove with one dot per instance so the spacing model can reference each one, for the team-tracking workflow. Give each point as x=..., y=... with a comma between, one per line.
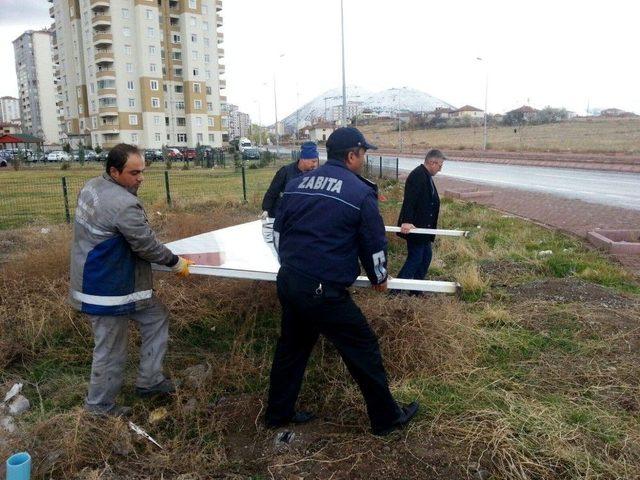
x=182, y=267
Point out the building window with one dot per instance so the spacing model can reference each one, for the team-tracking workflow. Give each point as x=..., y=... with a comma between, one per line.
x=196, y=87
x=126, y=31
x=198, y=121
x=180, y=105
x=182, y=137
x=176, y=38
x=207, y=74
x=130, y=85
x=205, y=26
x=152, y=49
x=193, y=4
x=196, y=72
x=212, y=138
x=92, y=88
x=204, y=9
x=177, y=72
x=134, y=138
x=154, y=84
x=207, y=58
x=127, y=49
x=210, y=121
x=194, y=37
x=208, y=90
x=125, y=13
x=192, y=21
x=209, y=106
x=178, y=89
x=132, y=102
x=129, y=67
x=80, y=108
x=151, y=32
x=205, y=40
x=194, y=54
x=133, y=119
x=156, y=120
x=152, y=67
x=197, y=104
x=180, y=121
x=155, y=102
x=149, y=14
x=157, y=137
x=94, y=123
x=176, y=55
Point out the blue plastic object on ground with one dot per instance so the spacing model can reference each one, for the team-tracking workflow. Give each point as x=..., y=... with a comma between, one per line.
x=19, y=466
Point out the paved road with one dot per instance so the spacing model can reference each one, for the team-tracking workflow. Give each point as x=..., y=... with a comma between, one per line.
x=604, y=188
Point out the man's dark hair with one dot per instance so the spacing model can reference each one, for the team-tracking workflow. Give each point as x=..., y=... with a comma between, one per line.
x=344, y=154
x=434, y=153
x=119, y=154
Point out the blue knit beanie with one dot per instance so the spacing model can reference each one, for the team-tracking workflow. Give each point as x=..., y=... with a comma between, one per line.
x=309, y=150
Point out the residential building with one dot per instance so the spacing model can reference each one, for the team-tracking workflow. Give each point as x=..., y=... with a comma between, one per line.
x=238, y=123
x=524, y=113
x=467, y=111
x=9, y=109
x=146, y=72
x=35, y=72
x=353, y=110
x=318, y=132
x=7, y=128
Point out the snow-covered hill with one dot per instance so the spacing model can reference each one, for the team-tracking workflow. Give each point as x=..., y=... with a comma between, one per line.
x=386, y=102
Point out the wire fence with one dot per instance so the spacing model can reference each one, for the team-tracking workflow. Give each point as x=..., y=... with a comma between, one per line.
x=45, y=196
x=379, y=166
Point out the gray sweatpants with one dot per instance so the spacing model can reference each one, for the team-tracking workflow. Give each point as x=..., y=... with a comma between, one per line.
x=110, y=353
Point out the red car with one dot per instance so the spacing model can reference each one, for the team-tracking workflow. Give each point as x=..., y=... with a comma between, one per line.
x=190, y=153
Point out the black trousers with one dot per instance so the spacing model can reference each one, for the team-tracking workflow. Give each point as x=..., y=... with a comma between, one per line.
x=308, y=310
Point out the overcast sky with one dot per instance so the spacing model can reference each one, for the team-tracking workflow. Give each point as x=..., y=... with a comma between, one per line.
x=565, y=53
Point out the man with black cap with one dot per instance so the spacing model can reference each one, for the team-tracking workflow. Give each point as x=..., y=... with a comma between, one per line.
x=420, y=209
x=308, y=160
x=329, y=219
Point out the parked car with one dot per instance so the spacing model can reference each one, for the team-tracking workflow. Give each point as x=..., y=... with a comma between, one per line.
x=250, y=153
x=174, y=153
x=102, y=156
x=58, y=156
x=88, y=155
x=153, y=155
x=190, y=153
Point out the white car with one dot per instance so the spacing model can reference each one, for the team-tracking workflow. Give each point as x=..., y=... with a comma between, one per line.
x=58, y=156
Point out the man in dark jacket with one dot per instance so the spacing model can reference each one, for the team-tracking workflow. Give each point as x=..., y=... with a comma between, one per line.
x=328, y=220
x=420, y=209
x=309, y=159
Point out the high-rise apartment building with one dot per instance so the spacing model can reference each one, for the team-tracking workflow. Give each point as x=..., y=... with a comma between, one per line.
x=145, y=72
x=238, y=123
x=9, y=109
x=36, y=86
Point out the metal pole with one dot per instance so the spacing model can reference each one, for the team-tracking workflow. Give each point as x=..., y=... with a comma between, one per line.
x=380, y=175
x=344, y=82
x=244, y=184
x=166, y=187
x=65, y=194
x=275, y=102
x=397, y=167
x=486, y=93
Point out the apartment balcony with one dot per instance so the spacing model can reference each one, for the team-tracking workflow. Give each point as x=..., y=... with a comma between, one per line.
x=220, y=37
x=110, y=127
x=220, y=52
x=108, y=111
x=102, y=39
x=56, y=58
x=219, y=22
x=109, y=92
x=100, y=4
x=223, y=83
x=106, y=73
x=104, y=56
x=102, y=19
x=221, y=68
x=218, y=5
x=51, y=12
x=223, y=98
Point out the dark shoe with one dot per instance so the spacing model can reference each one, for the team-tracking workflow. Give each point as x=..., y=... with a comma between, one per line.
x=298, y=418
x=408, y=412
x=165, y=387
x=115, y=411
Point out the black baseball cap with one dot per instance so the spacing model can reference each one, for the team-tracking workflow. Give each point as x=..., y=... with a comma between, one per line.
x=346, y=138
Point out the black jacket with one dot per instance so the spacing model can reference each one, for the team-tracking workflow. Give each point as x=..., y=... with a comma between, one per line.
x=421, y=205
x=272, y=197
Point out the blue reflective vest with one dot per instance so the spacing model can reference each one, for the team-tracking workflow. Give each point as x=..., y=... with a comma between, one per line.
x=328, y=219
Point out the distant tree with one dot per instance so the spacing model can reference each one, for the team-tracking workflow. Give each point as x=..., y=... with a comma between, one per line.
x=67, y=147
x=98, y=149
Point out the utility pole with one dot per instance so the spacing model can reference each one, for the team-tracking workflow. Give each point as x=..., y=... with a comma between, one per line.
x=486, y=94
x=344, y=83
x=275, y=104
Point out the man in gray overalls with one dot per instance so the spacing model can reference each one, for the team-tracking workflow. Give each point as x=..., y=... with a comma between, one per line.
x=111, y=281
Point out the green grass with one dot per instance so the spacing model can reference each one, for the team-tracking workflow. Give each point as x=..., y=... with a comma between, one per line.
x=35, y=196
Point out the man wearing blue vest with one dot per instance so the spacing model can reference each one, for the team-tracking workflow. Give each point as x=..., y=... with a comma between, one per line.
x=328, y=220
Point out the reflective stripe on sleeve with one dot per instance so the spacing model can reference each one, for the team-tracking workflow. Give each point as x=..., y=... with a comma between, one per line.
x=111, y=301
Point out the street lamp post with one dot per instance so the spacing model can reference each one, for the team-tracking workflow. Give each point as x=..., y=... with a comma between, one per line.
x=486, y=94
x=344, y=83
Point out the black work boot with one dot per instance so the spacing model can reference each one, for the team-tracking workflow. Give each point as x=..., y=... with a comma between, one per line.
x=298, y=418
x=408, y=412
x=165, y=387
